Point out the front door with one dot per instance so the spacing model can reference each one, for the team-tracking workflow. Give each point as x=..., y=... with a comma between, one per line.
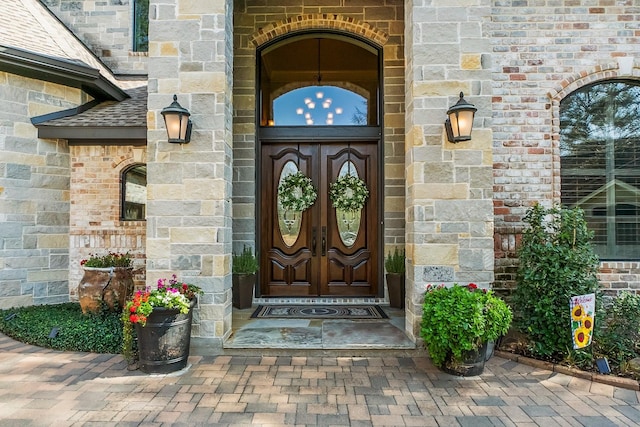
x=323, y=251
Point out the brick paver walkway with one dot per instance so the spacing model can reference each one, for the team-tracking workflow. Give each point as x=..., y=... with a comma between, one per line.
x=40, y=387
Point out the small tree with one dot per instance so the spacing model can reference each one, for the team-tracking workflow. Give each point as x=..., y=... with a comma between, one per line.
x=557, y=262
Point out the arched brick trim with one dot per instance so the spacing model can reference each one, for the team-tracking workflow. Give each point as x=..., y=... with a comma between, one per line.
x=578, y=80
x=122, y=162
x=328, y=21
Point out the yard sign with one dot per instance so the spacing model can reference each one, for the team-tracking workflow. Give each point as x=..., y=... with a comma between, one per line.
x=582, y=318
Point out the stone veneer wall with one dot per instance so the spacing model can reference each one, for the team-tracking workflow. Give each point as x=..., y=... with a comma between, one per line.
x=94, y=222
x=541, y=53
x=189, y=186
x=257, y=22
x=449, y=205
x=105, y=26
x=34, y=195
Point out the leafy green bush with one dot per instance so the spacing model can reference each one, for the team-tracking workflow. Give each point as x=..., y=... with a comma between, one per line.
x=394, y=263
x=557, y=262
x=97, y=333
x=619, y=333
x=245, y=263
x=461, y=318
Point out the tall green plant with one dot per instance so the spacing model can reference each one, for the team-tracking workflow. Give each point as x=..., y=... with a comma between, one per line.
x=245, y=262
x=394, y=263
x=557, y=262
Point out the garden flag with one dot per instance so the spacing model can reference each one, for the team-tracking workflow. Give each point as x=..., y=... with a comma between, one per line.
x=582, y=317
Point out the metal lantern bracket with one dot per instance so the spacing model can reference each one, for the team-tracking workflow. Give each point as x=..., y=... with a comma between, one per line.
x=460, y=120
x=177, y=122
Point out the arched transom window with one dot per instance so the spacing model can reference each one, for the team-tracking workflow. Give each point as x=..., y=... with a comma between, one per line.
x=320, y=79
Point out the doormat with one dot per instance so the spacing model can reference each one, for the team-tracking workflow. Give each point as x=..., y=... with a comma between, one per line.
x=319, y=312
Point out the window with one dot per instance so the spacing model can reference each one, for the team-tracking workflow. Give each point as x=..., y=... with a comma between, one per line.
x=141, y=26
x=319, y=80
x=134, y=193
x=600, y=163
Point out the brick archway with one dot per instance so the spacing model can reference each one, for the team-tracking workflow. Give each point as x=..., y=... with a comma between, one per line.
x=328, y=21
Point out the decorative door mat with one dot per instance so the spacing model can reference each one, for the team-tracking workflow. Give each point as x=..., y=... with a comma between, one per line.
x=319, y=312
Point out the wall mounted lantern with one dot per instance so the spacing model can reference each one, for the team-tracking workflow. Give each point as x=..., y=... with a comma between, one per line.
x=460, y=120
x=176, y=119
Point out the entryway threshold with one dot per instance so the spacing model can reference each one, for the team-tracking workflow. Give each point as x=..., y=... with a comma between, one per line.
x=319, y=334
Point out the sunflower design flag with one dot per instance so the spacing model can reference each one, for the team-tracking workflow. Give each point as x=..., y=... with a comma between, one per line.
x=582, y=318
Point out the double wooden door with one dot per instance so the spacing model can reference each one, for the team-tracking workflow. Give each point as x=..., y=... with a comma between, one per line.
x=323, y=251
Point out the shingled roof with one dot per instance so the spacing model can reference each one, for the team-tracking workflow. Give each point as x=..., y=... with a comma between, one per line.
x=101, y=122
x=34, y=43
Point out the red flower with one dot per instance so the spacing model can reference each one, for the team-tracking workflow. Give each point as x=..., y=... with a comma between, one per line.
x=472, y=286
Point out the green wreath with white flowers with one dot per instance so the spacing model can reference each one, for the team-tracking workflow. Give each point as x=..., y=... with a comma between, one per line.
x=348, y=193
x=296, y=192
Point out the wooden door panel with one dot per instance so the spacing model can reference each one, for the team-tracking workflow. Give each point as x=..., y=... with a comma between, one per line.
x=319, y=263
x=285, y=269
x=350, y=268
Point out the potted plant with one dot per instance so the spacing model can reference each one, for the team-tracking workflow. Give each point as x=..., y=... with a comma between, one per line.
x=107, y=278
x=162, y=319
x=457, y=323
x=243, y=267
x=395, y=266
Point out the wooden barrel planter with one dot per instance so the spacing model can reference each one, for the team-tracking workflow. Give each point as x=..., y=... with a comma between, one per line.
x=113, y=285
x=163, y=343
x=472, y=363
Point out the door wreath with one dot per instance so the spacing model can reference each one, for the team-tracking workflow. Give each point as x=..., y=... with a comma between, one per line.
x=348, y=193
x=296, y=192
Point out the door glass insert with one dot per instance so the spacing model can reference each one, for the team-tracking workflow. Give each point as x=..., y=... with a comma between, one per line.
x=348, y=221
x=289, y=222
x=319, y=80
x=320, y=106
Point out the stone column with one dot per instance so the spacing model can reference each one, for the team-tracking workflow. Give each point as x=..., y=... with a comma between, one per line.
x=449, y=208
x=189, y=185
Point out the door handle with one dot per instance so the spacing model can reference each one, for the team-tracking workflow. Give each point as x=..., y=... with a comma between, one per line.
x=324, y=241
x=313, y=241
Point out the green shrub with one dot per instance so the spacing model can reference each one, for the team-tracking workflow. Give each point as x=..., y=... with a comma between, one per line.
x=245, y=263
x=619, y=332
x=394, y=263
x=557, y=262
x=97, y=333
x=461, y=318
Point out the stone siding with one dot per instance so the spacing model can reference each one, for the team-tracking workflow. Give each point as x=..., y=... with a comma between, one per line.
x=106, y=28
x=540, y=55
x=95, y=224
x=34, y=195
x=449, y=208
x=189, y=185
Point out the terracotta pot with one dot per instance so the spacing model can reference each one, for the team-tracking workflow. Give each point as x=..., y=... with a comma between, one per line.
x=113, y=285
x=395, y=287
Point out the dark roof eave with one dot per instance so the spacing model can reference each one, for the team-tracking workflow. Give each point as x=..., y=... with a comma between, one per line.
x=89, y=133
x=60, y=71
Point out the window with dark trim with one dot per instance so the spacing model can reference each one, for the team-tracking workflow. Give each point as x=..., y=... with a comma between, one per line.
x=600, y=163
x=134, y=193
x=141, y=26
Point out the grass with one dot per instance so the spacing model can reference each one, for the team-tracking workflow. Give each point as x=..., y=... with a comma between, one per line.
x=95, y=333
